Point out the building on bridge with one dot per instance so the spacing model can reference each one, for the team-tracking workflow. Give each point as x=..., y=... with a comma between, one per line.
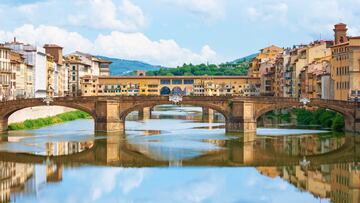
x=167, y=85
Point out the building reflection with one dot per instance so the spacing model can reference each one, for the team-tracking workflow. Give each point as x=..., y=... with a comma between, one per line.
x=14, y=178
x=338, y=182
x=66, y=148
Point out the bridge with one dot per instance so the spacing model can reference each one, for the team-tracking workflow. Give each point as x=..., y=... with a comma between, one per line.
x=241, y=113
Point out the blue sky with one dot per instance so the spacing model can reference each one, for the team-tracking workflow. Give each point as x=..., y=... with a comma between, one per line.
x=172, y=185
x=171, y=32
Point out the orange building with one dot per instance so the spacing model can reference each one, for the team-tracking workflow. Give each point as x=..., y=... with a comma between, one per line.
x=345, y=69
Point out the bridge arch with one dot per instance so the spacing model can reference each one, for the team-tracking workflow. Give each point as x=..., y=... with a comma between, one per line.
x=337, y=106
x=139, y=107
x=10, y=107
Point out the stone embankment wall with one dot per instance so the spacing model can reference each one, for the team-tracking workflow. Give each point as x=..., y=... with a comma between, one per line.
x=37, y=112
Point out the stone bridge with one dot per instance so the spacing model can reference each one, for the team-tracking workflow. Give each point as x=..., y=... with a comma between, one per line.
x=241, y=113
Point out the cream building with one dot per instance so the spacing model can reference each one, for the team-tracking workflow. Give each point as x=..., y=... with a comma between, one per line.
x=6, y=74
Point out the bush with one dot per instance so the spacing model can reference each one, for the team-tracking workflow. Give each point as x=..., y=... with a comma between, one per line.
x=42, y=122
x=338, y=123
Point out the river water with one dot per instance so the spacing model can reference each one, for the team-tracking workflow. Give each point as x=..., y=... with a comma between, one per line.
x=178, y=157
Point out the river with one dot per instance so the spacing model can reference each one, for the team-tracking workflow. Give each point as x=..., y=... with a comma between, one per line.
x=178, y=157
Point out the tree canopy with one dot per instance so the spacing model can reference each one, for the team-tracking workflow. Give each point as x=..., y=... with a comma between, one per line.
x=228, y=69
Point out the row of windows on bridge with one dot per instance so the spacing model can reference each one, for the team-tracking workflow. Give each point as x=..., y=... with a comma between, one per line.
x=176, y=82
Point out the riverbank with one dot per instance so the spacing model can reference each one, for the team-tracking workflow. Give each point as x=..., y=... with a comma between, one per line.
x=51, y=120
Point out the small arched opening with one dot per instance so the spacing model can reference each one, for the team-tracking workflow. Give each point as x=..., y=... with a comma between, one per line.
x=177, y=91
x=165, y=91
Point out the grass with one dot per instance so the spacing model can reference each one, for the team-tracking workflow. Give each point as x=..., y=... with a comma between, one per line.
x=42, y=122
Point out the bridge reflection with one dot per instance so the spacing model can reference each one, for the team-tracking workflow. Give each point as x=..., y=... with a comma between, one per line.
x=246, y=150
x=334, y=170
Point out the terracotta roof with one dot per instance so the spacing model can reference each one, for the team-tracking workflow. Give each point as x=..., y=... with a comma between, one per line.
x=356, y=37
x=104, y=61
x=4, y=47
x=52, y=46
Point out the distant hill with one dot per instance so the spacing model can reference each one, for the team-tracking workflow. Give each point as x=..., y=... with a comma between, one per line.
x=246, y=58
x=127, y=67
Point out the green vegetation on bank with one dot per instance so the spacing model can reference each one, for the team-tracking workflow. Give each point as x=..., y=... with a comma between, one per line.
x=42, y=122
x=321, y=117
x=239, y=69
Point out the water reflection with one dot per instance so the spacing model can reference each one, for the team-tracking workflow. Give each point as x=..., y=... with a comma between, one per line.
x=189, y=161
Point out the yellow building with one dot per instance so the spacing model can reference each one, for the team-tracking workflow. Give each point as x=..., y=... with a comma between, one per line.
x=166, y=85
x=19, y=67
x=345, y=70
x=50, y=68
x=265, y=54
x=60, y=82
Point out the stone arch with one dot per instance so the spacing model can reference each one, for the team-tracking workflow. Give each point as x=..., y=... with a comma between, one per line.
x=165, y=90
x=348, y=116
x=268, y=108
x=140, y=106
x=177, y=91
x=17, y=105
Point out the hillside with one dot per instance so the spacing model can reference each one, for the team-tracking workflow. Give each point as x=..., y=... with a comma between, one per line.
x=126, y=67
x=246, y=58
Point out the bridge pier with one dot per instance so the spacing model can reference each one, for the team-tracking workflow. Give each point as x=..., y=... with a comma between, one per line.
x=144, y=113
x=3, y=125
x=357, y=120
x=242, y=118
x=108, y=117
x=207, y=114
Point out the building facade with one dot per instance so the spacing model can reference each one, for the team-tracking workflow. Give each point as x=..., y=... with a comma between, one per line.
x=167, y=85
x=6, y=74
x=345, y=63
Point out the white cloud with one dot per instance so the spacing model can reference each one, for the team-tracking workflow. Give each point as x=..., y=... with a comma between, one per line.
x=199, y=190
x=133, y=46
x=207, y=9
x=140, y=47
x=268, y=12
x=104, y=14
x=131, y=180
x=319, y=18
x=42, y=34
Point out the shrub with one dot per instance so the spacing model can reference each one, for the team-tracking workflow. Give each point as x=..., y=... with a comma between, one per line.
x=42, y=122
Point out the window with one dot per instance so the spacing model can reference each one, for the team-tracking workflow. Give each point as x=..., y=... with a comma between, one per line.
x=73, y=78
x=73, y=68
x=176, y=82
x=165, y=82
x=188, y=82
